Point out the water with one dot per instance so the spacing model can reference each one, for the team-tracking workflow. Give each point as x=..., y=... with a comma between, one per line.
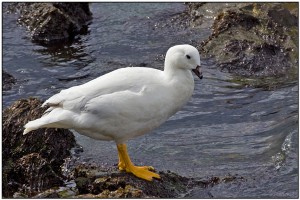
x=224, y=129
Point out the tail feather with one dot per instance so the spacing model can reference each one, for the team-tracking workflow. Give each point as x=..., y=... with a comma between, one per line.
x=27, y=130
x=33, y=125
x=57, y=118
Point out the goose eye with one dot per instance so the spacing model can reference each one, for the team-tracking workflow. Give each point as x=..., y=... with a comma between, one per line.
x=188, y=57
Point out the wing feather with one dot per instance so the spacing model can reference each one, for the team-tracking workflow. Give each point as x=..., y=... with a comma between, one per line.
x=75, y=98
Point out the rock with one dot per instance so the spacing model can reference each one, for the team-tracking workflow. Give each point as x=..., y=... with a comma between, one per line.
x=282, y=16
x=51, y=193
x=202, y=14
x=8, y=81
x=99, y=181
x=82, y=184
x=36, y=171
x=50, y=23
x=127, y=192
x=256, y=42
x=61, y=192
x=195, y=15
x=103, y=182
x=228, y=19
x=31, y=163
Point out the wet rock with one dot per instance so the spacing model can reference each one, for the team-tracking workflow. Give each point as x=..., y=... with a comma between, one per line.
x=98, y=181
x=202, y=14
x=208, y=184
x=282, y=16
x=31, y=163
x=7, y=81
x=255, y=41
x=195, y=15
x=228, y=19
x=50, y=23
x=95, y=181
x=127, y=192
x=64, y=192
x=36, y=171
x=51, y=193
x=61, y=192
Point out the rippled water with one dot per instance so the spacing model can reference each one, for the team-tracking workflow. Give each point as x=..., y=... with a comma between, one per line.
x=224, y=129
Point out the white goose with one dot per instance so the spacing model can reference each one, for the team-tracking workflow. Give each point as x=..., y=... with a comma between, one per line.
x=125, y=103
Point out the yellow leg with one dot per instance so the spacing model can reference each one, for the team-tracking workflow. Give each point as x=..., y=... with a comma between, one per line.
x=126, y=164
x=121, y=164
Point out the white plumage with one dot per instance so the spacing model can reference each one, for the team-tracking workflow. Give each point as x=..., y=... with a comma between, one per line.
x=124, y=103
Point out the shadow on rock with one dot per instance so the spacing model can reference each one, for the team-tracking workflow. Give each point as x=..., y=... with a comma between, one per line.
x=31, y=163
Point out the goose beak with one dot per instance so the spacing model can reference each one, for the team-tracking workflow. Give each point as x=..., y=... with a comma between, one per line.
x=198, y=72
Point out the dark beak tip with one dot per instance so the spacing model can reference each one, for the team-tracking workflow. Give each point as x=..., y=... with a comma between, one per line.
x=198, y=72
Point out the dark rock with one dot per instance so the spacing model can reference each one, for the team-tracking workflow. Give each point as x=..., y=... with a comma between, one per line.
x=54, y=22
x=32, y=162
x=201, y=14
x=283, y=16
x=98, y=181
x=193, y=11
x=256, y=64
x=7, y=81
x=255, y=41
x=230, y=18
x=102, y=182
x=47, y=194
x=82, y=184
x=61, y=192
x=37, y=172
